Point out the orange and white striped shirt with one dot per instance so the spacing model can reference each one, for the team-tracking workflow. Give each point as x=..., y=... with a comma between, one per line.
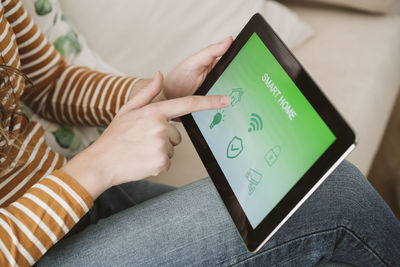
x=38, y=203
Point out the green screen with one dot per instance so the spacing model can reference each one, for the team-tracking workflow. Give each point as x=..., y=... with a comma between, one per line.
x=268, y=137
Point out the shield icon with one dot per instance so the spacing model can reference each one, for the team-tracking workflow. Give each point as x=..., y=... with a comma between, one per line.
x=235, y=147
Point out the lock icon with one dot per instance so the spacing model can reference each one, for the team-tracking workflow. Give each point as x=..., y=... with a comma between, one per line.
x=272, y=155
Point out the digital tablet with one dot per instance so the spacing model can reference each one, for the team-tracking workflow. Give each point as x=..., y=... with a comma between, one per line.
x=277, y=141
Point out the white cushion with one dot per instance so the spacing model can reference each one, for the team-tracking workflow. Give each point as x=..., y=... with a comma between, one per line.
x=141, y=37
x=51, y=20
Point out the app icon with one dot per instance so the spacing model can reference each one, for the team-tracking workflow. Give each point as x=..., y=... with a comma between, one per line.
x=254, y=178
x=218, y=117
x=236, y=96
x=256, y=123
x=272, y=155
x=235, y=147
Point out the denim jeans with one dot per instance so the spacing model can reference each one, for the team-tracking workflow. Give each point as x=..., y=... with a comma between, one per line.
x=144, y=224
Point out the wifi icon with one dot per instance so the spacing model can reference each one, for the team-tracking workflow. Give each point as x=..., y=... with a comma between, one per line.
x=256, y=123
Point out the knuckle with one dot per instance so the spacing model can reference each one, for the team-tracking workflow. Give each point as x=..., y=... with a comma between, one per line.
x=157, y=127
x=215, y=101
x=160, y=130
x=150, y=111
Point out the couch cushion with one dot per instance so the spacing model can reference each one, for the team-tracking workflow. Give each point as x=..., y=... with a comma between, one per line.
x=141, y=37
x=355, y=58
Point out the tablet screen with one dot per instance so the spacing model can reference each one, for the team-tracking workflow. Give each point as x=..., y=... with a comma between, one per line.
x=269, y=136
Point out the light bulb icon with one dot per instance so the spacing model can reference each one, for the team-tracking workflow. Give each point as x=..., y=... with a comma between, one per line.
x=217, y=119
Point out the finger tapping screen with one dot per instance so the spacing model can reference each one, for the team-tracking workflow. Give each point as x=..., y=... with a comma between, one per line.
x=268, y=137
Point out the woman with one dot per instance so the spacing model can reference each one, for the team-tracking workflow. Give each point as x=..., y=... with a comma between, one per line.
x=44, y=198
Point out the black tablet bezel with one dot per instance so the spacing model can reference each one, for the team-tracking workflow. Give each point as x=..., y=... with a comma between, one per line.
x=345, y=136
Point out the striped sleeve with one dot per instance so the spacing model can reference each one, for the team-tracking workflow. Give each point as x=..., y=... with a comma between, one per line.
x=64, y=93
x=41, y=217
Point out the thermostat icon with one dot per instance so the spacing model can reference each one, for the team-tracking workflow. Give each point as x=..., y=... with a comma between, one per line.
x=272, y=155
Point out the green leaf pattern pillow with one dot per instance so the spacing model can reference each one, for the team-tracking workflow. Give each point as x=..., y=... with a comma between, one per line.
x=58, y=29
x=48, y=15
x=43, y=7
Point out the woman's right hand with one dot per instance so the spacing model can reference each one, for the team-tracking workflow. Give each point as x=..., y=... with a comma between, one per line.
x=139, y=142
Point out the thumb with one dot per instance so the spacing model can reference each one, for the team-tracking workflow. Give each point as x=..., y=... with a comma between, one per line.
x=147, y=94
x=208, y=55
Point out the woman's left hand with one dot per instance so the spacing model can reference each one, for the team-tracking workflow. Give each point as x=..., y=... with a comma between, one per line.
x=187, y=77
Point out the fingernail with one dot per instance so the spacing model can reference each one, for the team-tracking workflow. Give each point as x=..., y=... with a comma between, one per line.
x=225, y=100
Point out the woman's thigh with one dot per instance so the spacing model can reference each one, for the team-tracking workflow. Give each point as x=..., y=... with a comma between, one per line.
x=344, y=220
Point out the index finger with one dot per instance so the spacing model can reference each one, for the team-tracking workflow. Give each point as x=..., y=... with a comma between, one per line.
x=184, y=105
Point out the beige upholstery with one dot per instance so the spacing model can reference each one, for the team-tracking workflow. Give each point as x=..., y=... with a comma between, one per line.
x=355, y=58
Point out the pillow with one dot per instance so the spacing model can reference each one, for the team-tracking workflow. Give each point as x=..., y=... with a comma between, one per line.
x=141, y=37
x=373, y=6
x=51, y=20
x=67, y=140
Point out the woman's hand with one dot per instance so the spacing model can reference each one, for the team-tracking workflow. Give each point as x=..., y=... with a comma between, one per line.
x=139, y=142
x=187, y=77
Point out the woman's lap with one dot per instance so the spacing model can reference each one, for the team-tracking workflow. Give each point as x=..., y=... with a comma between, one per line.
x=345, y=220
